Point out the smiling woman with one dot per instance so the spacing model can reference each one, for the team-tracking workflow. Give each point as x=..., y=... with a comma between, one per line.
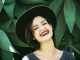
x=42, y=30
x=36, y=27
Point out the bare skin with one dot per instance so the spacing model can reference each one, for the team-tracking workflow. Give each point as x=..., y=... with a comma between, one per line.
x=47, y=49
x=48, y=52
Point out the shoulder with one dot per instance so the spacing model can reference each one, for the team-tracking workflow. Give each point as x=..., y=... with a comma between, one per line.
x=26, y=57
x=30, y=56
x=67, y=56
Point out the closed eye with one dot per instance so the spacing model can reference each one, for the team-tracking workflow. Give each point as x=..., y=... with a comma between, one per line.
x=35, y=28
x=44, y=23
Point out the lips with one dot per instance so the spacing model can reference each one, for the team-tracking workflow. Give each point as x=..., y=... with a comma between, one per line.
x=45, y=32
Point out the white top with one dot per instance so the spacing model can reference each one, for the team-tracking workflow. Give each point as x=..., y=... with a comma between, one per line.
x=25, y=58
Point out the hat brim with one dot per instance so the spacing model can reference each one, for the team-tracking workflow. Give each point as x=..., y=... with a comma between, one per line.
x=30, y=13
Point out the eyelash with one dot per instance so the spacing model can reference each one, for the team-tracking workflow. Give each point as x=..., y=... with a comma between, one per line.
x=44, y=23
x=35, y=28
x=38, y=27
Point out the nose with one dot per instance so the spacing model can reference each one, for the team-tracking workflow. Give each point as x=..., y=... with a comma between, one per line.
x=42, y=28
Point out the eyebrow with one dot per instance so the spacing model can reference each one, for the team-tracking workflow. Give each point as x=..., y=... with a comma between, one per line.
x=42, y=21
x=37, y=25
x=34, y=26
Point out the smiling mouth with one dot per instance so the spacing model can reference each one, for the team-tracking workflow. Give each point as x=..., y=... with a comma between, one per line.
x=44, y=33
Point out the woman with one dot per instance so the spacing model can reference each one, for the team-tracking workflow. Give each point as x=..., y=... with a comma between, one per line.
x=36, y=27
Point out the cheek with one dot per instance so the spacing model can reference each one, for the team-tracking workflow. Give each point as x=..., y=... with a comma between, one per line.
x=36, y=34
x=51, y=28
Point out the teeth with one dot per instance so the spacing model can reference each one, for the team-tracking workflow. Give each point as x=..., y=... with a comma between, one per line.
x=44, y=33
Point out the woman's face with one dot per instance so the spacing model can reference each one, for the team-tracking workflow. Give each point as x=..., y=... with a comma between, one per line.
x=41, y=29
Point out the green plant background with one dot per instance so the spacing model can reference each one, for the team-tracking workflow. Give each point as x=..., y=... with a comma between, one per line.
x=67, y=32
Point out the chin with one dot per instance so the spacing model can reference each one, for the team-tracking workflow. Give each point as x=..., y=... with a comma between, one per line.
x=46, y=38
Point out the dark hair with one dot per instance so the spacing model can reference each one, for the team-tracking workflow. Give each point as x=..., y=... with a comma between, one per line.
x=29, y=36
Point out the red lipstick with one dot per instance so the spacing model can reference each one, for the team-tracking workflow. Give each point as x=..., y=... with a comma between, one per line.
x=45, y=32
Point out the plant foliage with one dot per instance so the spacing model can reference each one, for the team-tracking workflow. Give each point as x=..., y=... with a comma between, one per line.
x=67, y=32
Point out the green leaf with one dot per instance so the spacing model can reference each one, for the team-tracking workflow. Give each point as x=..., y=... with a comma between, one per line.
x=5, y=43
x=14, y=39
x=8, y=26
x=74, y=48
x=9, y=7
x=70, y=13
x=76, y=34
x=1, y=5
x=32, y=1
x=12, y=27
x=3, y=17
x=78, y=15
x=3, y=1
x=56, y=6
x=60, y=29
x=19, y=10
x=6, y=55
x=5, y=26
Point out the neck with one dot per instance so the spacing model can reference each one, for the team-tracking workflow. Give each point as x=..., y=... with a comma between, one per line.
x=47, y=46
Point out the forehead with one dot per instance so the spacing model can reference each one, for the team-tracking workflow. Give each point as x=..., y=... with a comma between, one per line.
x=38, y=19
